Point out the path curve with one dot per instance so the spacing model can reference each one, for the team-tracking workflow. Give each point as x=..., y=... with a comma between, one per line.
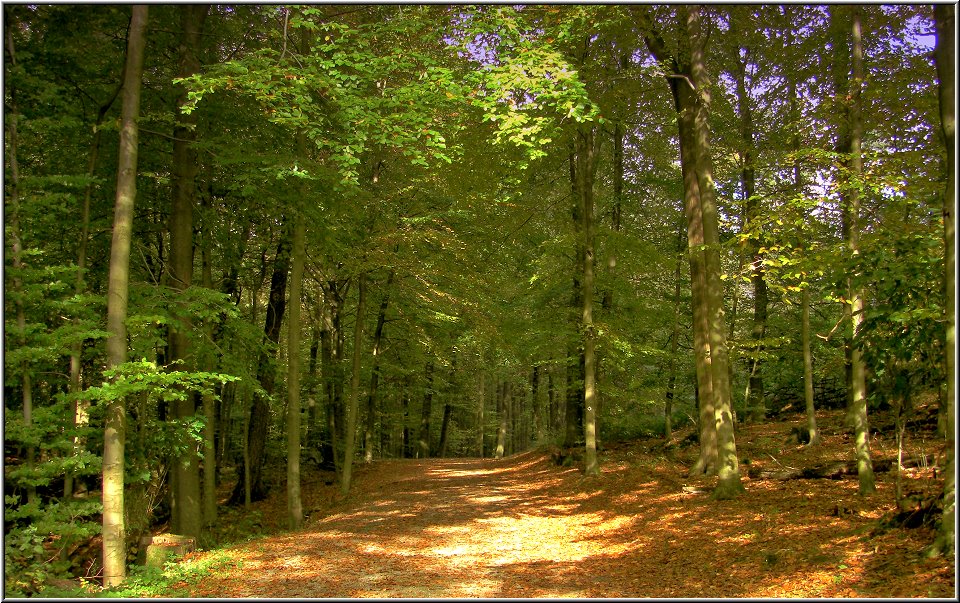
x=523, y=527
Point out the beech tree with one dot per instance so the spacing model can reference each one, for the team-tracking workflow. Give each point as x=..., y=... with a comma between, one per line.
x=114, y=536
x=945, y=58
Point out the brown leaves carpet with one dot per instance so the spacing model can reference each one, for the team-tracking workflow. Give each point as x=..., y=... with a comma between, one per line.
x=523, y=527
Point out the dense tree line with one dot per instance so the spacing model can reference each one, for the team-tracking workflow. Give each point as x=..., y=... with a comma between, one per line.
x=240, y=239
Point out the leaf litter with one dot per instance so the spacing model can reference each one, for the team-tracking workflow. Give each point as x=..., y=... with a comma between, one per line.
x=524, y=527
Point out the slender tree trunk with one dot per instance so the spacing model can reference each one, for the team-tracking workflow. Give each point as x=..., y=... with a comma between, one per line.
x=210, y=463
x=407, y=447
x=294, y=504
x=353, y=402
x=575, y=380
x=618, y=179
x=481, y=399
x=945, y=58
x=850, y=137
x=114, y=537
x=754, y=400
x=538, y=426
x=330, y=362
x=585, y=165
x=674, y=345
x=259, y=420
x=16, y=244
x=445, y=428
x=81, y=408
x=375, y=374
x=425, y=411
x=187, y=516
x=813, y=432
x=503, y=401
x=312, y=431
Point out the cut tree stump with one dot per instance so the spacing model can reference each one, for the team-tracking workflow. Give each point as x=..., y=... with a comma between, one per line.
x=159, y=549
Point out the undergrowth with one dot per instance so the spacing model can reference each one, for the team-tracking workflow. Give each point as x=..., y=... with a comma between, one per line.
x=144, y=581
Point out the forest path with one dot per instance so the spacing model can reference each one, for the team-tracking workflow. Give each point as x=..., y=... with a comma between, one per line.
x=523, y=527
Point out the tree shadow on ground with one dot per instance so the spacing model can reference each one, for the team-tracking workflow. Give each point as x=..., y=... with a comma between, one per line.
x=523, y=527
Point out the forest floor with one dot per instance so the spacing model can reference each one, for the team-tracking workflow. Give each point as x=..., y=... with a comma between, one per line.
x=525, y=527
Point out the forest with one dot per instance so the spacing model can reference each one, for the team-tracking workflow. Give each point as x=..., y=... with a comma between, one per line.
x=250, y=249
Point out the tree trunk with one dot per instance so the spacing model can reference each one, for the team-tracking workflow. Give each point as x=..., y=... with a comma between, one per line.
x=16, y=244
x=210, y=462
x=754, y=399
x=423, y=442
x=81, y=408
x=674, y=345
x=481, y=399
x=618, y=179
x=538, y=426
x=585, y=165
x=375, y=374
x=852, y=134
x=259, y=417
x=812, y=431
x=353, y=401
x=685, y=102
x=729, y=484
x=114, y=537
x=406, y=446
x=444, y=428
x=187, y=515
x=294, y=504
x=503, y=400
x=573, y=414
x=945, y=58
x=575, y=381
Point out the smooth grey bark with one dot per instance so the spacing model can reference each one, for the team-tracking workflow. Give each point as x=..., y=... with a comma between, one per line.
x=812, y=432
x=114, y=536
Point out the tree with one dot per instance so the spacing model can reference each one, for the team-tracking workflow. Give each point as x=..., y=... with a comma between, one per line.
x=690, y=86
x=294, y=504
x=583, y=169
x=945, y=59
x=353, y=400
x=849, y=147
x=185, y=478
x=114, y=544
x=251, y=486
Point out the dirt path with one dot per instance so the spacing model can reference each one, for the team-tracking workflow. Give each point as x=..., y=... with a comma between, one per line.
x=522, y=527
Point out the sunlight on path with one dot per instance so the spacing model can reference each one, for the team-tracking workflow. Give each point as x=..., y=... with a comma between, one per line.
x=522, y=527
